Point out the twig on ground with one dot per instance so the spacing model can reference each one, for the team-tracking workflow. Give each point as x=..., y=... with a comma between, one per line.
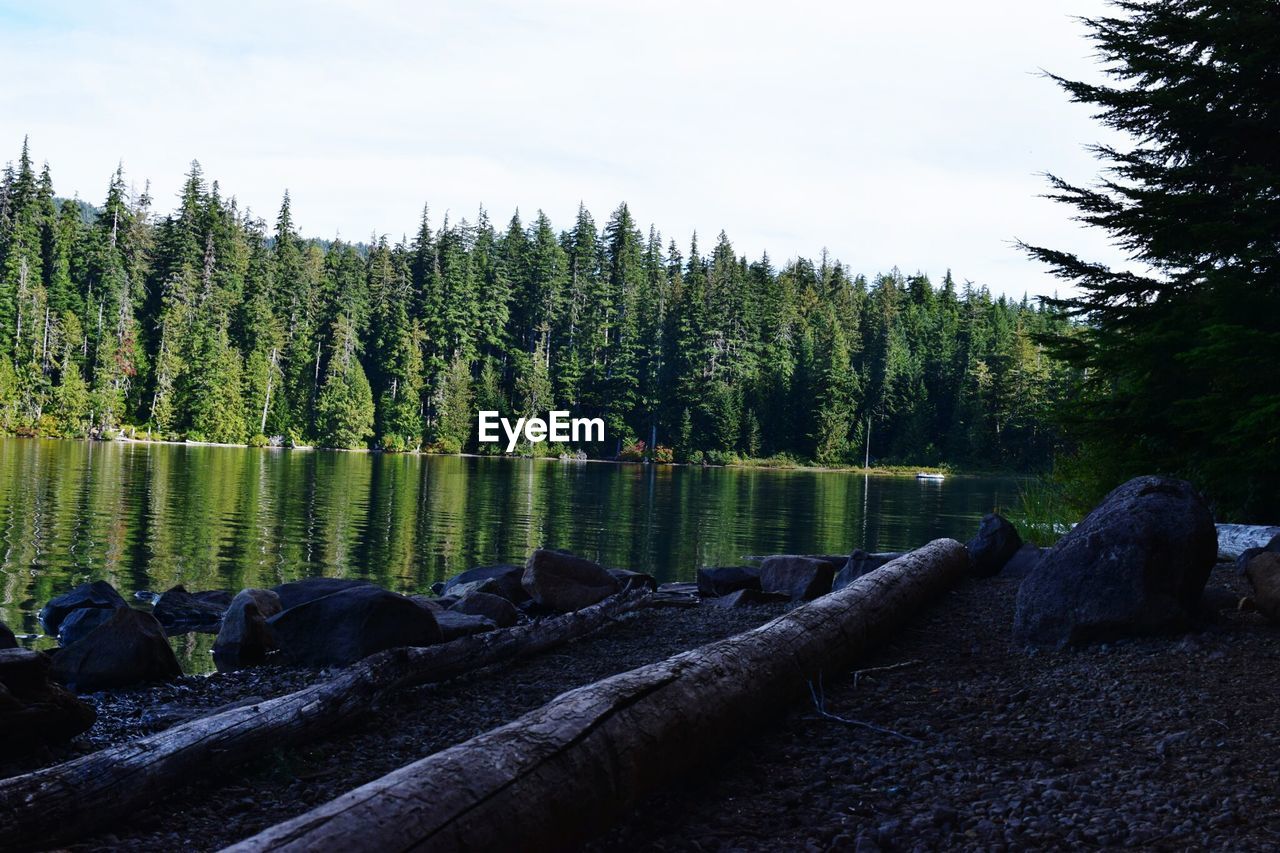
x=876, y=670
x=820, y=705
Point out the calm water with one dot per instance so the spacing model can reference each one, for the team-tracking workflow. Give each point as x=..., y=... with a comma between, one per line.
x=150, y=516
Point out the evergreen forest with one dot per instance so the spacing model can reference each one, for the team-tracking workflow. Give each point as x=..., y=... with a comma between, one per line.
x=208, y=323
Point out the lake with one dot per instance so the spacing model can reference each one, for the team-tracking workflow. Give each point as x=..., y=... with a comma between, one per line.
x=148, y=516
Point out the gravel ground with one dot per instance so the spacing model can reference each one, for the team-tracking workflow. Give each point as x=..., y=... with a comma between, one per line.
x=411, y=725
x=1164, y=743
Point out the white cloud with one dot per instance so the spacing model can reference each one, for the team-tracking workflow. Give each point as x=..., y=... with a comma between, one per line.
x=909, y=134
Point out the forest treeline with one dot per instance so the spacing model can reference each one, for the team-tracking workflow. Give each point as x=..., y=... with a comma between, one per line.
x=210, y=324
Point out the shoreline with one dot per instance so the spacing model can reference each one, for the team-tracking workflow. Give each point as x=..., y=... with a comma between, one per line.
x=753, y=464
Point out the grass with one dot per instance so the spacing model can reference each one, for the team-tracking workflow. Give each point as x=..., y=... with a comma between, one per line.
x=1043, y=513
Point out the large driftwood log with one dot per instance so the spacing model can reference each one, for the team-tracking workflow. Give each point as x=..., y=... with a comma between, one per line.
x=561, y=773
x=73, y=799
x=1234, y=538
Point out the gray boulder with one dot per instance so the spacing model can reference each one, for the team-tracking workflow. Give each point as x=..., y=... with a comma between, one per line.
x=802, y=578
x=1023, y=561
x=1242, y=562
x=454, y=624
x=495, y=608
x=7, y=638
x=34, y=711
x=294, y=593
x=564, y=582
x=997, y=541
x=180, y=611
x=351, y=624
x=245, y=638
x=93, y=594
x=1263, y=573
x=860, y=563
x=503, y=579
x=129, y=649
x=1137, y=564
x=79, y=623
x=715, y=581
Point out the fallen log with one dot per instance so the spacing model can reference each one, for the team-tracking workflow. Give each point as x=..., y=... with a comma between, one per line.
x=1233, y=539
x=73, y=799
x=562, y=773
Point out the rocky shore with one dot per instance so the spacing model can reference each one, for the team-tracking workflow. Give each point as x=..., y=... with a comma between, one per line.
x=1114, y=691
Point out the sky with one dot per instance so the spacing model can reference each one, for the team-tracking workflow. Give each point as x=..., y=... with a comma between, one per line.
x=908, y=134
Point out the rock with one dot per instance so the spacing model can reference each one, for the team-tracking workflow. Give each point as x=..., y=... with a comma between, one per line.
x=430, y=602
x=679, y=588
x=7, y=639
x=565, y=582
x=1023, y=561
x=180, y=611
x=78, y=624
x=997, y=541
x=495, y=608
x=506, y=578
x=746, y=598
x=35, y=711
x=95, y=594
x=245, y=638
x=722, y=580
x=634, y=580
x=1242, y=562
x=858, y=564
x=802, y=578
x=1263, y=573
x=128, y=649
x=351, y=624
x=309, y=589
x=454, y=624
x=1137, y=564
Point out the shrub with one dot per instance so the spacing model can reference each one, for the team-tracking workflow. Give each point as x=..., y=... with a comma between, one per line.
x=632, y=452
x=696, y=458
x=445, y=446
x=662, y=455
x=259, y=440
x=721, y=457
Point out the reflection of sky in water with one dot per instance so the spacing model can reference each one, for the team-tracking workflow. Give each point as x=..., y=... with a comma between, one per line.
x=148, y=517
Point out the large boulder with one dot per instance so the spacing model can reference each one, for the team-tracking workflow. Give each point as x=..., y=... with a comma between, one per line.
x=503, y=579
x=78, y=624
x=1242, y=561
x=495, y=608
x=351, y=624
x=94, y=594
x=802, y=578
x=180, y=611
x=715, y=581
x=294, y=593
x=1263, y=573
x=35, y=711
x=565, y=582
x=1137, y=564
x=128, y=649
x=1023, y=560
x=997, y=541
x=454, y=624
x=860, y=563
x=7, y=638
x=245, y=638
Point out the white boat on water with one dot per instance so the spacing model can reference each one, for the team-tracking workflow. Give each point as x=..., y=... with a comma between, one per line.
x=924, y=475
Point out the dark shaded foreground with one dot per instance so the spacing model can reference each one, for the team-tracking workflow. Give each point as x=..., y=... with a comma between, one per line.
x=1162, y=743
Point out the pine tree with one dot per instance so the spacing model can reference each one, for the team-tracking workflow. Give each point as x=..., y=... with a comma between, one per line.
x=1181, y=360
x=344, y=409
